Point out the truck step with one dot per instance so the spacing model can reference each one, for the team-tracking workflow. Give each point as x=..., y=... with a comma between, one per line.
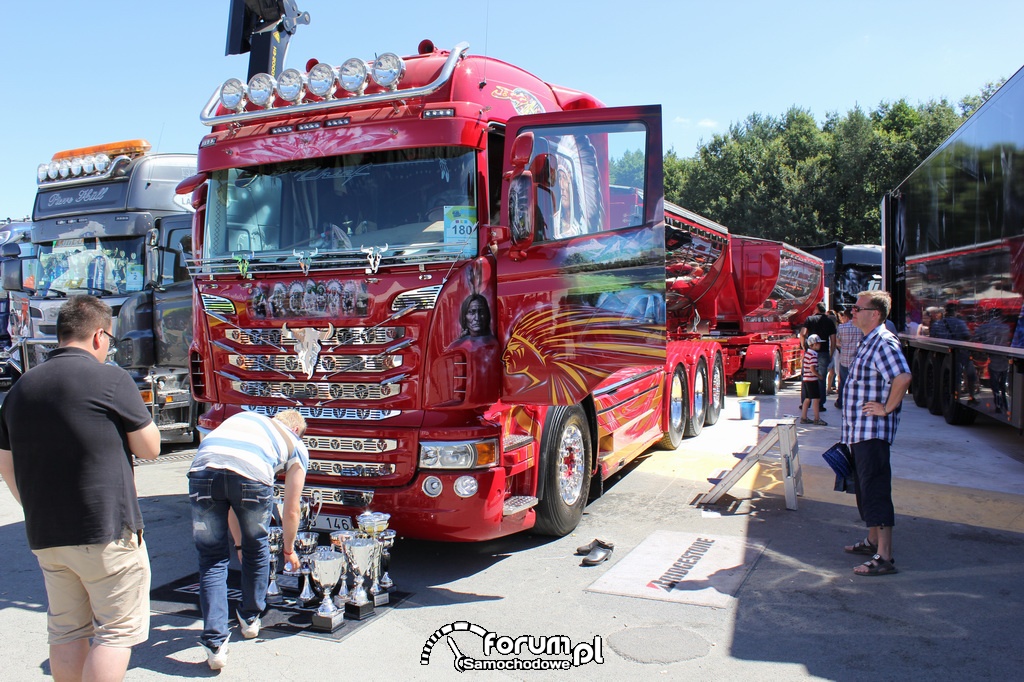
x=520, y=503
x=174, y=427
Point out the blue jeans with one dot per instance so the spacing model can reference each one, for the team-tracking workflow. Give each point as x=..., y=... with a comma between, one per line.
x=211, y=493
x=844, y=373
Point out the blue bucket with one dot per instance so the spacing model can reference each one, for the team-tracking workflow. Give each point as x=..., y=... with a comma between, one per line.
x=747, y=408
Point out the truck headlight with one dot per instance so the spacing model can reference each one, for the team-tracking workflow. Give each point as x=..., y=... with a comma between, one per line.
x=458, y=454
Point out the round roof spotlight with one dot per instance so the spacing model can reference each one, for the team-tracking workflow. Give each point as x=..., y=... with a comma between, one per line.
x=261, y=90
x=88, y=164
x=387, y=70
x=76, y=165
x=102, y=162
x=41, y=172
x=232, y=94
x=64, y=168
x=291, y=86
x=52, y=170
x=352, y=75
x=322, y=81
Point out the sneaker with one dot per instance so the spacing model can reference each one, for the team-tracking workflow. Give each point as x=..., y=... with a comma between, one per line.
x=217, y=658
x=250, y=627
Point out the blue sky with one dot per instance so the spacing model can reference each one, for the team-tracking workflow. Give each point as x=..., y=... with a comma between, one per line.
x=82, y=73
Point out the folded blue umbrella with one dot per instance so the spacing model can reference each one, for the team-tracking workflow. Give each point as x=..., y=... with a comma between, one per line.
x=839, y=458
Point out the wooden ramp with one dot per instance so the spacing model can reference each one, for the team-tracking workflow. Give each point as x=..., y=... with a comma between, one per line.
x=776, y=446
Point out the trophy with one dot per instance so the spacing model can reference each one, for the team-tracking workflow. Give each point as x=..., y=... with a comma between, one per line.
x=305, y=545
x=328, y=568
x=372, y=525
x=309, y=509
x=275, y=538
x=387, y=541
x=338, y=540
x=361, y=553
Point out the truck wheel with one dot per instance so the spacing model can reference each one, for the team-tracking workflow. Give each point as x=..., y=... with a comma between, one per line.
x=771, y=381
x=567, y=462
x=952, y=410
x=678, y=407
x=716, y=403
x=917, y=378
x=695, y=424
x=932, y=385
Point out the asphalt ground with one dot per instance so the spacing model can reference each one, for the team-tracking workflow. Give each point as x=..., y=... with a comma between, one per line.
x=953, y=611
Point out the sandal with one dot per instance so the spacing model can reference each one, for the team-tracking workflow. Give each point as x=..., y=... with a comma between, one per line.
x=820, y=422
x=877, y=566
x=805, y=420
x=863, y=547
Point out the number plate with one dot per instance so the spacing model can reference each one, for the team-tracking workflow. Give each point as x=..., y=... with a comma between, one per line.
x=328, y=523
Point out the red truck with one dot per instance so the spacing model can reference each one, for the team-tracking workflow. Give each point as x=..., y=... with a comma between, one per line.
x=435, y=260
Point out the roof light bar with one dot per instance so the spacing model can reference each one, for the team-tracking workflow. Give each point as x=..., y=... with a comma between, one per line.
x=322, y=82
x=88, y=162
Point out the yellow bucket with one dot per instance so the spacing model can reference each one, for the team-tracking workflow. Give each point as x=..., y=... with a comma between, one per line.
x=742, y=389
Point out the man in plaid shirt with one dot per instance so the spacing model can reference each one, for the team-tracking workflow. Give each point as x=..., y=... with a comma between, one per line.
x=874, y=390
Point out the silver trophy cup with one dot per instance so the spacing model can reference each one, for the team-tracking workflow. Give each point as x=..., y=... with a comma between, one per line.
x=361, y=553
x=338, y=540
x=309, y=508
x=327, y=569
x=275, y=540
x=387, y=541
x=305, y=545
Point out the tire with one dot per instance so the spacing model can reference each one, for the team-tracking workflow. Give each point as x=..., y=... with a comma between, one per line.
x=678, y=410
x=754, y=379
x=932, y=385
x=567, y=462
x=717, y=402
x=952, y=410
x=918, y=386
x=695, y=424
x=771, y=382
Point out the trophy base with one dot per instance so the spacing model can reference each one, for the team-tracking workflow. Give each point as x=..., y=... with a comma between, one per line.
x=381, y=599
x=331, y=623
x=275, y=598
x=359, y=611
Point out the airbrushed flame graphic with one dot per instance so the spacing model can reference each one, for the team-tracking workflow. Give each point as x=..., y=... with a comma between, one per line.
x=308, y=344
x=543, y=348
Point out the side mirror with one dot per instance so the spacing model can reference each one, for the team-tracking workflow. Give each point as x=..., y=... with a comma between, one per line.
x=10, y=272
x=10, y=250
x=153, y=258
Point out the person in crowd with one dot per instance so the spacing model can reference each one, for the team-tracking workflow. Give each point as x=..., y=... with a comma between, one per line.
x=995, y=332
x=234, y=470
x=68, y=430
x=848, y=338
x=872, y=399
x=833, y=366
x=949, y=325
x=913, y=327
x=811, y=382
x=822, y=325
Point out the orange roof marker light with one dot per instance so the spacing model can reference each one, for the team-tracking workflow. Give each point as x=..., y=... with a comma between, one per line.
x=89, y=161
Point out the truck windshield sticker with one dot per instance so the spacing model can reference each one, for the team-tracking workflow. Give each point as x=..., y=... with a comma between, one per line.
x=100, y=266
x=459, y=223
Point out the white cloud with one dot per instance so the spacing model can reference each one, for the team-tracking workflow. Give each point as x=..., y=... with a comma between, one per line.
x=681, y=120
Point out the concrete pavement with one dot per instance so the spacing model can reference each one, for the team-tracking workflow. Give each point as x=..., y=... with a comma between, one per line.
x=954, y=610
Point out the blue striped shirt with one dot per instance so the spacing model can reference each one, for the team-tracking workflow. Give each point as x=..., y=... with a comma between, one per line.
x=253, y=446
x=879, y=360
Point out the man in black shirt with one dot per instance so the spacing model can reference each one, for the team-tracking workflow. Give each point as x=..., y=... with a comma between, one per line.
x=68, y=429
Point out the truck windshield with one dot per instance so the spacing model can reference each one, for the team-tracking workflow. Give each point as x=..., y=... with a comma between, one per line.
x=397, y=199
x=98, y=266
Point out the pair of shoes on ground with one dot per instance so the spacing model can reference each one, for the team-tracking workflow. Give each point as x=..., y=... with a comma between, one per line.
x=816, y=422
x=250, y=627
x=876, y=565
x=596, y=551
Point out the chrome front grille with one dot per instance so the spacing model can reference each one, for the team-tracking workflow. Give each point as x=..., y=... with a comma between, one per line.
x=422, y=299
x=342, y=336
x=350, y=469
x=348, y=497
x=316, y=390
x=217, y=304
x=326, y=363
x=326, y=413
x=336, y=444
